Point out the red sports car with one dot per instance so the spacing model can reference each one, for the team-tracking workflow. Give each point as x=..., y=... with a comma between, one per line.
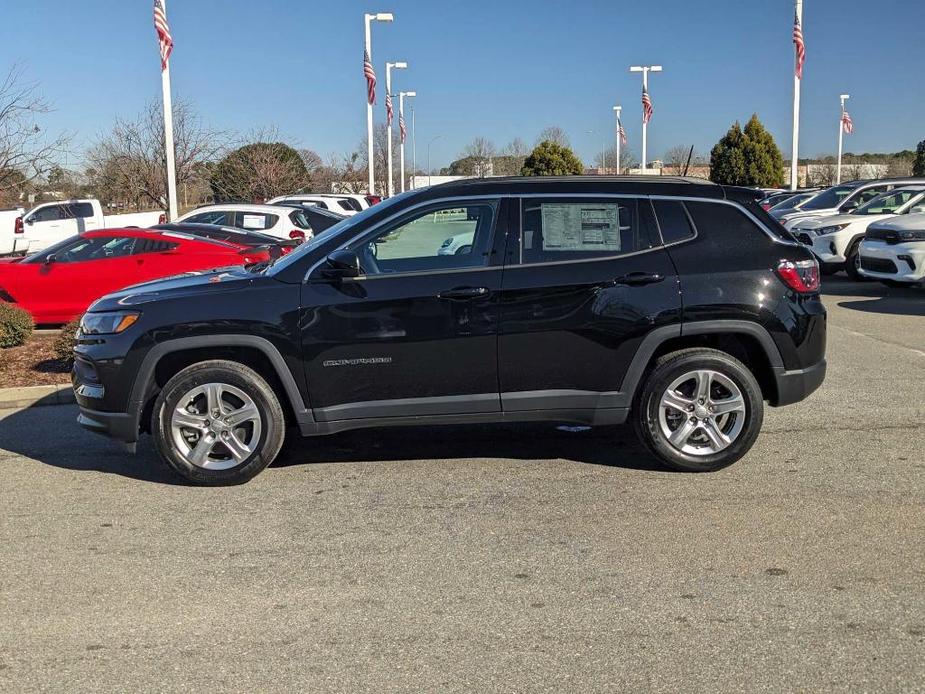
x=59, y=283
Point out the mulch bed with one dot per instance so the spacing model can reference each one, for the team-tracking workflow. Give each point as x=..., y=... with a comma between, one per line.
x=33, y=364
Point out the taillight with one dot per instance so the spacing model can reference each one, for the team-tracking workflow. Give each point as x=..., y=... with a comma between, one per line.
x=297, y=234
x=18, y=227
x=285, y=249
x=801, y=275
x=373, y=199
x=765, y=206
x=162, y=219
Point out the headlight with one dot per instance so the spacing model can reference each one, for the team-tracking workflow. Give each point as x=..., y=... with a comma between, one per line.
x=108, y=323
x=830, y=230
x=911, y=236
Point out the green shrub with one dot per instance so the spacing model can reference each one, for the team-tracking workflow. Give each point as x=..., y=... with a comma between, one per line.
x=16, y=325
x=64, y=343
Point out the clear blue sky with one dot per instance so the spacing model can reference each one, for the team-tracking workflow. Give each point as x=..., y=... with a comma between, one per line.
x=499, y=69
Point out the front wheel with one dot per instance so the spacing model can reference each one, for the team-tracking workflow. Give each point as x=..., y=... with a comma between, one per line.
x=699, y=410
x=218, y=423
x=853, y=262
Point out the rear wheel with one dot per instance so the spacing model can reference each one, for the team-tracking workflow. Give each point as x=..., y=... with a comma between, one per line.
x=699, y=410
x=218, y=423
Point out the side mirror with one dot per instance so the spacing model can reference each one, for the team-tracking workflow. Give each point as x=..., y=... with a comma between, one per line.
x=50, y=258
x=849, y=206
x=30, y=221
x=341, y=264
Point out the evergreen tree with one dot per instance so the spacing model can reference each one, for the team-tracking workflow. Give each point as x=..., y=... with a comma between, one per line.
x=550, y=159
x=918, y=166
x=747, y=158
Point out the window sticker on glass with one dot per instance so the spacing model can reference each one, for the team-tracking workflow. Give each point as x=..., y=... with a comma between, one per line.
x=253, y=221
x=571, y=227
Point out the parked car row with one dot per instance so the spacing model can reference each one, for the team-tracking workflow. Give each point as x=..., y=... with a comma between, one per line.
x=871, y=229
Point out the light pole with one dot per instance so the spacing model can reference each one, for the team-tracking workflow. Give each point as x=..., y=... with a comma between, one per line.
x=414, y=156
x=401, y=124
x=432, y=141
x=368, y=56
x=646, y=111
x=603, y=159
x=841, y=131
x=388, y=121
x=616, y=110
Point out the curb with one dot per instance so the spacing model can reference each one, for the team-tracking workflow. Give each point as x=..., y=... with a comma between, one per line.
x=36, y=396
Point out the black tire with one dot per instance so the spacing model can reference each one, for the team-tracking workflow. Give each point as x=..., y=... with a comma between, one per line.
x=672, y=366
x=853, y=262
x=237, y=375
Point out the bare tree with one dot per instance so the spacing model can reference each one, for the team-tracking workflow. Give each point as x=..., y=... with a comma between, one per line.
x=516, y=148
x=26, y=153
x=480, y=151
x=129, y=164
x=675, y=160
x=627, y=159
x=554, y=134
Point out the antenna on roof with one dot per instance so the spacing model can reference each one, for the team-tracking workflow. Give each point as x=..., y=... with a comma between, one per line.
x=688, y=164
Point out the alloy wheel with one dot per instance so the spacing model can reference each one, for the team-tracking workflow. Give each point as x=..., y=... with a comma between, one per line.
x=702, y=412
x=215, y=426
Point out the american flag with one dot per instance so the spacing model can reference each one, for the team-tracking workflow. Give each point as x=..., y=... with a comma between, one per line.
x=621, y=132
x=646, y=106
x=388, y=108
x=799, y=45
x=846, y=123
x=401, y=126
x=370, y=75
x=163, y=32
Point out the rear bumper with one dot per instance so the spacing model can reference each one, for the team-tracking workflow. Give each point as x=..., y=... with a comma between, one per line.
x=796, y=385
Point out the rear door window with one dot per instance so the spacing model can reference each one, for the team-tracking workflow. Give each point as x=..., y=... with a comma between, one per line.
x=673, y=221
x=560, y=229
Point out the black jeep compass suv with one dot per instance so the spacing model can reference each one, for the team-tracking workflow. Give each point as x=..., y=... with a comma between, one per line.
x=678, y=304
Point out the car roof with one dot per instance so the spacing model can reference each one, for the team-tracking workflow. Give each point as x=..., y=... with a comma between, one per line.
x=642, y=185
x=237, y=206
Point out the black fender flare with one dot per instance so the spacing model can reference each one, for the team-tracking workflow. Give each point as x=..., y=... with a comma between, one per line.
x=657, y=337
x=145, y=375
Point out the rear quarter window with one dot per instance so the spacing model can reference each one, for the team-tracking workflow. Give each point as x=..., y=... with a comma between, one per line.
x=714, y=216
x=673, y=220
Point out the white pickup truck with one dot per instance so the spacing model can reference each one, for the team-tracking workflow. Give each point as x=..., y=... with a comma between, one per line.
x=51, y=222
x=10, y=224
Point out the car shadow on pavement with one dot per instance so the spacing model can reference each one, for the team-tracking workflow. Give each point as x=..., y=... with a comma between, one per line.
x=51, y=436
x=873, y=297
x=605, y=446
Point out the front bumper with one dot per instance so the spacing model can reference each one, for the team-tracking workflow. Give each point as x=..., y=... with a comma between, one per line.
x=901, y=262
x=120, y=426
x=827, y=249
x=794, y=386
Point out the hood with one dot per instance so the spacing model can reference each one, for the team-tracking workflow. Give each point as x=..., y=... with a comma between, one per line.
x=176, y=287
x=800, y=214
x=817, y=222
x=902, y=222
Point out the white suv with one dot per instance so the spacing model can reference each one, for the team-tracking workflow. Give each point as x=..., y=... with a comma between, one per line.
x=275, y=220
x=893, y=251
x=339, y=204
x=844, y=198
x=835, y=240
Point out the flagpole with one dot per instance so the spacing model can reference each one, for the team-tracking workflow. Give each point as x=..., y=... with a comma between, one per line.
x=617, y=110
x=795, y=146
x=645, y=123
x=168, y=136
x=841, y=131
x=390, y=190
x=401, y=151
x=414, y=158
x=369, y=115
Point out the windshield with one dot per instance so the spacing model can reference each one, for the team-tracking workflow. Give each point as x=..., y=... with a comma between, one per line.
x=829, y=198
x=888, y=203
x=343, y=227
x=792, y=203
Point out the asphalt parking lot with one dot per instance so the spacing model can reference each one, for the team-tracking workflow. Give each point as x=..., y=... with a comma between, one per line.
x=489, y=559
